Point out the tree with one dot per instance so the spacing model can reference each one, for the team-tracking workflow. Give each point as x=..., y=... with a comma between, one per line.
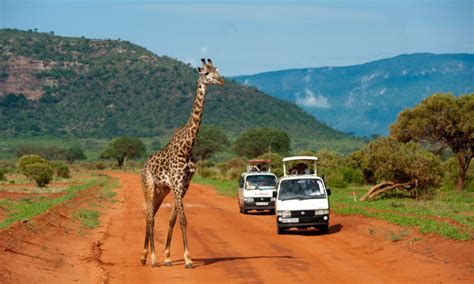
x=211, y=139
x=256, y=141
x=441, y=120
x=123, y=148
x=402, y=163
x=74, y=153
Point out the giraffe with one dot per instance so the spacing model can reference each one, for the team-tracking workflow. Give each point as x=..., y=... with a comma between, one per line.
x=171, y=169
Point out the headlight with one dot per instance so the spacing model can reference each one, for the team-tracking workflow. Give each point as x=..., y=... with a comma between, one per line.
x=273, y=199
x=248, y=199
x=284, y=214
x=321, y=212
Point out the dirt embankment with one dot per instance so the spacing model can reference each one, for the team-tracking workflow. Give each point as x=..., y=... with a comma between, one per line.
x=225, y=245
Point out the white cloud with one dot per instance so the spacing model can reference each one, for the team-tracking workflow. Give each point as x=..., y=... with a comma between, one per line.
x=309, y=99
x=204, y=49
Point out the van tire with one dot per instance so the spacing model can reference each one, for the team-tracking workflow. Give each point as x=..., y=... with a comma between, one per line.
x=280, y=231
x=324, y=229
x=272, y=211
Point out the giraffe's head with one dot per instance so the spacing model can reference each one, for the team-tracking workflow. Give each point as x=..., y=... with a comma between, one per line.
x=209, y=74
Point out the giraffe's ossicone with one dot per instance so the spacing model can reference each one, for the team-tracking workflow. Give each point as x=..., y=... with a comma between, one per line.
x=171, y=170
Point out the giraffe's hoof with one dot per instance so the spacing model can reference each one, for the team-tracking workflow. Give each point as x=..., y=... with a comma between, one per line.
x=167, y=263
x=142, y=261
x=189, y=266
x=154, y=265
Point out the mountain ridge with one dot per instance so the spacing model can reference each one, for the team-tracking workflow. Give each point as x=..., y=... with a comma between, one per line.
x=377, y=84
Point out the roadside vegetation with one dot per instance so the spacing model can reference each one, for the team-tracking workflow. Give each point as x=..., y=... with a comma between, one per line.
x=37, y=200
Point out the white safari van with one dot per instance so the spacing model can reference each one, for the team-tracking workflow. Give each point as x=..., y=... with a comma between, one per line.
x=257, y=187
x=302, y=197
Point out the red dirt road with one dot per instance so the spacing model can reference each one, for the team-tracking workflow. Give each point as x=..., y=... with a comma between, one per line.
x=231, y=247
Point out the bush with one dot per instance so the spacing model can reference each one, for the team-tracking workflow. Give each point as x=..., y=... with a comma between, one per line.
x=352, y=176
x=62, y=170
x=100, y=166
x=27, y=160
x=42, y=173
x=2, y=174
x=205, y=172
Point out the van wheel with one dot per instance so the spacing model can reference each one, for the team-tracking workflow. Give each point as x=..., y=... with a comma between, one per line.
x=272, y=211
x=324, y=229
x=280, y=231
x=240, y=210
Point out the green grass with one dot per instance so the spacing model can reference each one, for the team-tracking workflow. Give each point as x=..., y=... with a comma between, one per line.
x=27, y=208
x=88, y=218
x=226, y=188
x=438, y=216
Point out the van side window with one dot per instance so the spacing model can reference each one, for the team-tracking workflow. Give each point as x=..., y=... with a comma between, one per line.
x=241, y=182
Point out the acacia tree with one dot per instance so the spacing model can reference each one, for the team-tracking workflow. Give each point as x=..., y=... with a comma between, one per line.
x=211, y=139
x=256, y=141
x=396, y=165
x=442, y=120
x=123, y=148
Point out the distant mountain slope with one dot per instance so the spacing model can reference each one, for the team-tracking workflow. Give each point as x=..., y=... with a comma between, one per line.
x=365, y=99
x=59, y=86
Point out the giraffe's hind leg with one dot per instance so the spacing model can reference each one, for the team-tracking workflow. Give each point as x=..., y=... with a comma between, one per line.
x=178, y=210
x=153, y=200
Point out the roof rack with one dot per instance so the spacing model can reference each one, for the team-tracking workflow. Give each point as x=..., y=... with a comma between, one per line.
x=255, y=165
x=300, y=158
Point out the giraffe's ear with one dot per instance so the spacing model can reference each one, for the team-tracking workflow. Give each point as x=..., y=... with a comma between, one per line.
x=199, y=69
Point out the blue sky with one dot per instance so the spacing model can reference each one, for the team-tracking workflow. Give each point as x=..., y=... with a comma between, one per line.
x=246, y=37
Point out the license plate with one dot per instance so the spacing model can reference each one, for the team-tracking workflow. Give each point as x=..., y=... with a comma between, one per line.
x=290, y=220
x=261, y=203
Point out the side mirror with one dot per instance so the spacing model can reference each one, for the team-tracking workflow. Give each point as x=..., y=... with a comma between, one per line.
x=274, y=194
x=329, y=191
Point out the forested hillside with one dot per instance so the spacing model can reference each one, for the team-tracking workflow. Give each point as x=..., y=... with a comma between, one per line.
x=60, y=86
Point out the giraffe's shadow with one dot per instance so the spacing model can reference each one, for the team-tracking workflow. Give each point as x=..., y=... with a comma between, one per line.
x=197, y=262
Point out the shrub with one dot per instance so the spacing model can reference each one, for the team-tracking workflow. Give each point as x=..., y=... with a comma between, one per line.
x=62, y=170
x=42, y=173
x=205, y=172
x=2, y=174
x=333, y=177
x=352, y=176
x=26, y=160
x=99, y=166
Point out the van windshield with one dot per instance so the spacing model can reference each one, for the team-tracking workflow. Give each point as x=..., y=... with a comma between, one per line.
x=261, y=182
x=301, y=189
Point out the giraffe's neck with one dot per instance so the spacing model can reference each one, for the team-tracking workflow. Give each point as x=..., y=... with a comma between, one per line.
x=198, y=106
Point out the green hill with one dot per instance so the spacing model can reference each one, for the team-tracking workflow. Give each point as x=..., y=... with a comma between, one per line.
x=77, y=87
